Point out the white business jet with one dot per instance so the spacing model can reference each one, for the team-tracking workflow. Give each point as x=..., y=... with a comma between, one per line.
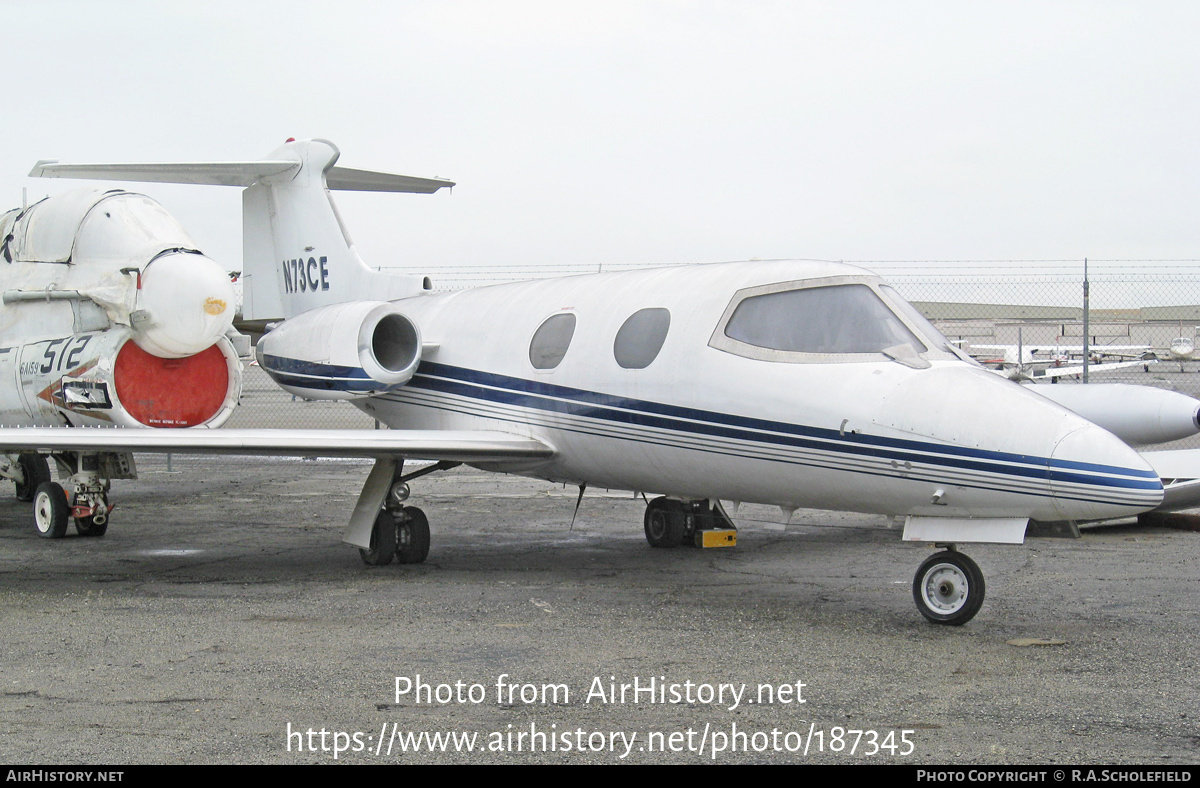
x=109, y=316
x=1182, y=348
x=789, y=383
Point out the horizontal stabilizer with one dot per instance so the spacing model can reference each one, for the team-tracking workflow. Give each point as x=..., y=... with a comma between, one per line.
x=237, y=173
x=220, y=173
x=346, y=179
x=457, y=445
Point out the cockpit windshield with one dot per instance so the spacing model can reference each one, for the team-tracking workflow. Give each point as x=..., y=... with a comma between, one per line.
x=837, y=319
x=927, y=329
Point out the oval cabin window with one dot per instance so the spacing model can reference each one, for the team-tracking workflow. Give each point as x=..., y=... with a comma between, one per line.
x=551, y=340
x=641, y=337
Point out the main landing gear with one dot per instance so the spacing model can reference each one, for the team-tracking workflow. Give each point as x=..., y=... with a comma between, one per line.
x=401, y=533
x=948, y=588
x=82, y=497
x=671, y=523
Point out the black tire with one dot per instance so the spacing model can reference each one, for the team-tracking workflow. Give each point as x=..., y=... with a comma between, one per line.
x=948, y=588
x=383, y=541
x=36, y=470
x=664, y=523
x=412, y=537
x=51, y=510
x=86, y=526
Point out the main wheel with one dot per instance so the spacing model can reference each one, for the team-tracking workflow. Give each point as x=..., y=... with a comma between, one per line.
x=383, y=541
x=50, y=510
x=412, y=536
x=664, y=523
x=36, y=470
x=948, y=588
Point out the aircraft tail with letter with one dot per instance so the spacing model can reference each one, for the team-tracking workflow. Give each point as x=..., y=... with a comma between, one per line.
x=300, y=266
x=297, y=255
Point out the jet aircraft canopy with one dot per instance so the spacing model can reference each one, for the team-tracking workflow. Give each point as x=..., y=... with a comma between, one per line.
x=92, y=225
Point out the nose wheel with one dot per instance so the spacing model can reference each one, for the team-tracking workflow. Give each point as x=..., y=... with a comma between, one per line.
x=948, y=588
x=50, y=510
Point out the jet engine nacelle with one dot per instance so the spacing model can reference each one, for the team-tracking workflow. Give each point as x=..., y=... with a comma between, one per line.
x=342, y=351
x=1138, y=415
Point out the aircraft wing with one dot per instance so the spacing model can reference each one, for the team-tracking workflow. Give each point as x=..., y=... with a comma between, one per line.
x=1030, y=348
x=1058, y=372
x=456, y=445
x=1179, y=471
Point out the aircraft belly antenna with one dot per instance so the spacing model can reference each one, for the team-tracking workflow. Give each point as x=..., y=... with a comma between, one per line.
x=578, y=501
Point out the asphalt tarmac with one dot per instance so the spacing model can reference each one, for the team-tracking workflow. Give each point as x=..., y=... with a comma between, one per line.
x=221, y=620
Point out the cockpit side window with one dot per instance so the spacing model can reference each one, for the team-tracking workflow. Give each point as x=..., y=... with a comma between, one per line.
x=641, y=337
x=551, y=340
x=836, y=319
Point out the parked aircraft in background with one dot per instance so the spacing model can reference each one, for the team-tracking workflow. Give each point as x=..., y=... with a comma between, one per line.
x=110, y=316
x=796, y=384
x=1138, y=415
x=1027, y=362
x=1181, y=349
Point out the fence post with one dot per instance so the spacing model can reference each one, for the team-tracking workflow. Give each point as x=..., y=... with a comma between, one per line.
x=1086, y=307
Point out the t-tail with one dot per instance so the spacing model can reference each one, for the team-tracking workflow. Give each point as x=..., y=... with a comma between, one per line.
x=341, y=338
x=297, y=255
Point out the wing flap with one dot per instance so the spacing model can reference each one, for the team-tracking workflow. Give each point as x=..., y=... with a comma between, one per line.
x=457, y=445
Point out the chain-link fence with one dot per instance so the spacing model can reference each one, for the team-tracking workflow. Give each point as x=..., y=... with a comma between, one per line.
x=1024, y=319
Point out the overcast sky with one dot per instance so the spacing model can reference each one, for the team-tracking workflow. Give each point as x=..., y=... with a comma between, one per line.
x=646, y=132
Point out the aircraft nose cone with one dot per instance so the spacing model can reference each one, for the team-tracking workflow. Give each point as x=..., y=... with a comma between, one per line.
x=1016, y=454
x=185, y=304
x=1094, y=475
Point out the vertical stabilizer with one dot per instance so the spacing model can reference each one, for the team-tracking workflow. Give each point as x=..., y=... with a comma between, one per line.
x=297, y=254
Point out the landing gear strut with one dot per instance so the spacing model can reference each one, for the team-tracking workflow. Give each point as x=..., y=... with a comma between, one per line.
x=948, y=588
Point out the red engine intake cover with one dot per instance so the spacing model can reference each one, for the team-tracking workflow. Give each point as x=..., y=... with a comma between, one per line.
x=171, y=392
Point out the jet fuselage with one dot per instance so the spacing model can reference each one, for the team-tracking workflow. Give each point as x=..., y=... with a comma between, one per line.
x=708, y=382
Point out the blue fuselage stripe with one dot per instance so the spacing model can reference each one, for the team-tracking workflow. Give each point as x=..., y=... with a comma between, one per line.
x=518, y=392
x=295, y=366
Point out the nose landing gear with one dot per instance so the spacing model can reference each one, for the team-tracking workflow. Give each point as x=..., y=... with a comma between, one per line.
x=83, y=495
